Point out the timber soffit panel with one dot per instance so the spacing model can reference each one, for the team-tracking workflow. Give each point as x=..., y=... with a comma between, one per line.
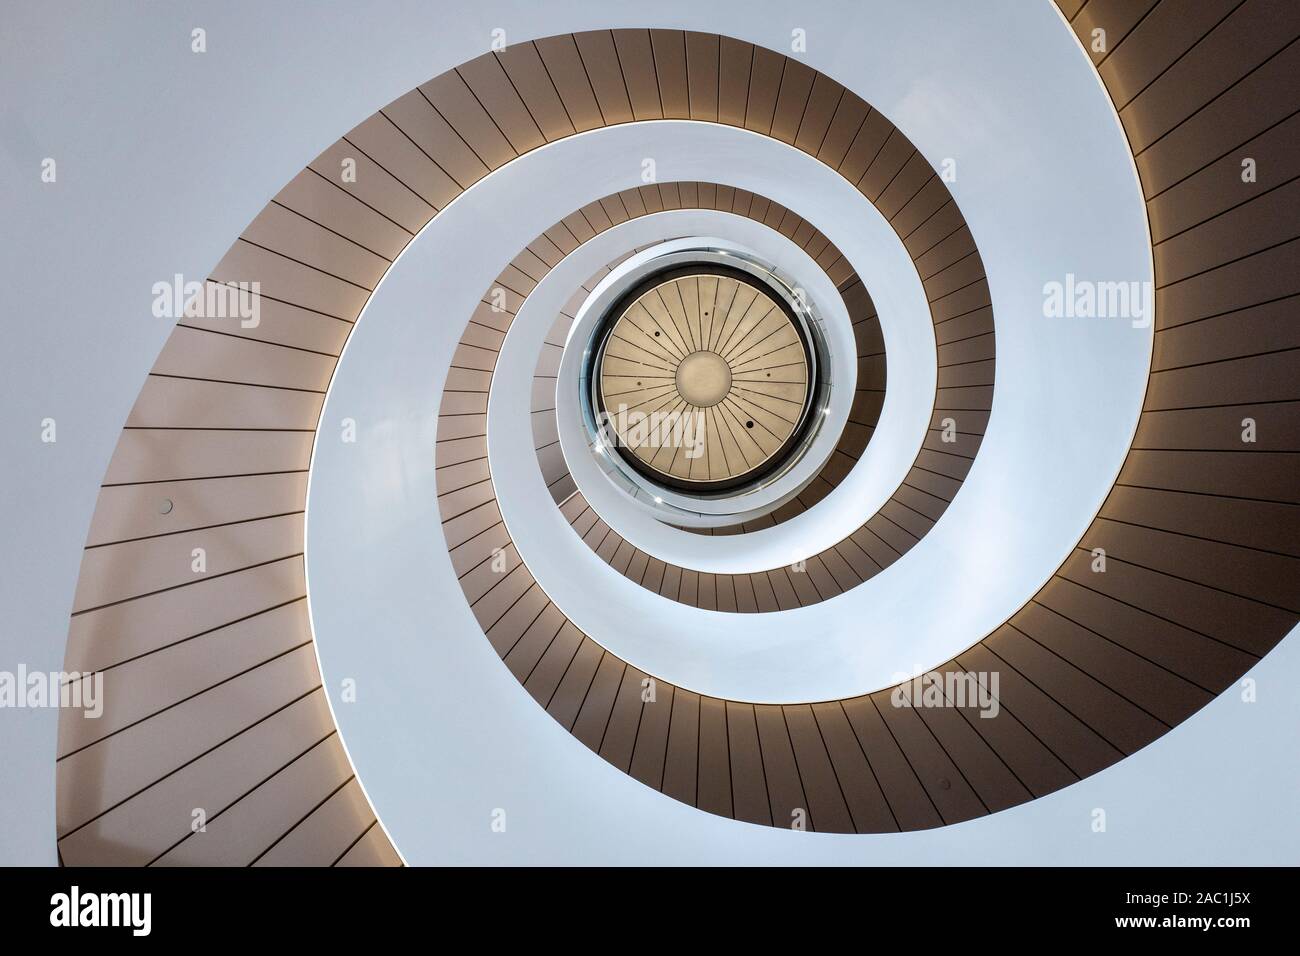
x=1210, y=101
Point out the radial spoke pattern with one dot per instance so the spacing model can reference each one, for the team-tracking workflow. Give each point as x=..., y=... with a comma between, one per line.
x=705, y=379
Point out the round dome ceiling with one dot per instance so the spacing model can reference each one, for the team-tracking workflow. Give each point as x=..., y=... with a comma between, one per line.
x=703, y=378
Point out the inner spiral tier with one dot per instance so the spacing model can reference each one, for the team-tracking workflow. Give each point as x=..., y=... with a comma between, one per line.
x=703, y=378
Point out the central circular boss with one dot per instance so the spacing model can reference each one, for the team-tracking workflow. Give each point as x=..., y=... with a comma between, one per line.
x=703, y=378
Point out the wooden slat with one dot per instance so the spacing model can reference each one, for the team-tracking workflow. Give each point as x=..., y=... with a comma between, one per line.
x=327, y=832
x=600, y=59
x=135, y=759
x=784, y=788
x=526, y=71
x=209, y=783
x=149, y=684
x=456, y=103
x=389, y=146
x=670, y=72
x=827, y=805
x=239, y=834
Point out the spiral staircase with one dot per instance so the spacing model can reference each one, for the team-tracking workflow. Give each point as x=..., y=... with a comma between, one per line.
x=704, y=625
